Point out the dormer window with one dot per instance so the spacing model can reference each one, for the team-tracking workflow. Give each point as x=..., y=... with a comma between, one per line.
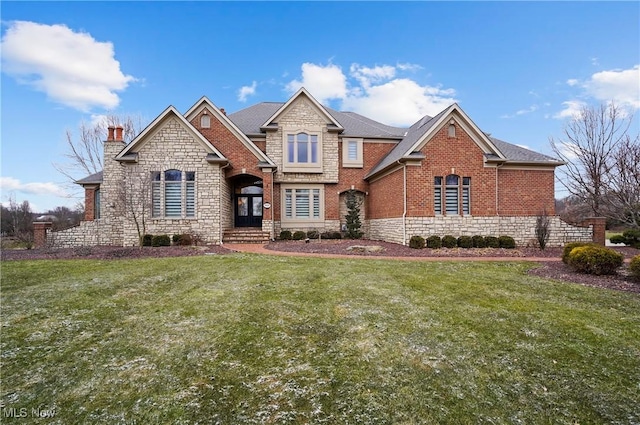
x=205, y=120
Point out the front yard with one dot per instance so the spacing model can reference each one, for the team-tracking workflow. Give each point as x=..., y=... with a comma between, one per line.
x=259, y=339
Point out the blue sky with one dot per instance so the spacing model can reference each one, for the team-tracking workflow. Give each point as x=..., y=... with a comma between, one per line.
x=519, y=69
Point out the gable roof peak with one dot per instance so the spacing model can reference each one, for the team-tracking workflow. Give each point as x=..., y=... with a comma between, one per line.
x=304, y=92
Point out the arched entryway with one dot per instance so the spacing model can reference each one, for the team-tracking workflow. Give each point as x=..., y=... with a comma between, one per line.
x=247, y=200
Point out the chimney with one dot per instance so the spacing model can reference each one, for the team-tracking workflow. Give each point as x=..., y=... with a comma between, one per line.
x=223, y=111
x=110, y=136
x=119, y=133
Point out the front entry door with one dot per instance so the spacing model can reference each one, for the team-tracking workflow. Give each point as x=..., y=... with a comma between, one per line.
x=248, y=210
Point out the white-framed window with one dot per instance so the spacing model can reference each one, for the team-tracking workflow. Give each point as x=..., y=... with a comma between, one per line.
x=457, y=196
x=205, y=121
x=352, y=154
x=437, y=195
x=302, y=151
x=302, y=204
x=173, y=194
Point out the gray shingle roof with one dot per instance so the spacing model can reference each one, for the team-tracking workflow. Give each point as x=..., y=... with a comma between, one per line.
x=250, y=119
x=415, y=132
x=95, y=178
x=518, y=154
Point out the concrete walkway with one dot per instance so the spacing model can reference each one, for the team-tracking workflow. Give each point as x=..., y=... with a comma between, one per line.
x=260, y=249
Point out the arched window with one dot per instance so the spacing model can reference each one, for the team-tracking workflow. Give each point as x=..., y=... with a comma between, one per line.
x=455, y=195
x=451, y=194
x=205, y=121
x=173, y=193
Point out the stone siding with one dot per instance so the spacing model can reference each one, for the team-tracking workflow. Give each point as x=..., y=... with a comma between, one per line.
x=87, y=233
x=522, y=229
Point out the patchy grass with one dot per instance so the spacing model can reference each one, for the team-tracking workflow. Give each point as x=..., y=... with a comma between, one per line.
x=259, y=339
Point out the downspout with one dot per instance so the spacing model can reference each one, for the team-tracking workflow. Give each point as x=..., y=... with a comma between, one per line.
x=220, y=229
x=404, y=202
x=273, y=212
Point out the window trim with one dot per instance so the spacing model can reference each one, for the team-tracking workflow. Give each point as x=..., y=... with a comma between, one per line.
x=301, y=167
x=444, y=189
x=307, y=222
x=347, y=162
x=188, y=204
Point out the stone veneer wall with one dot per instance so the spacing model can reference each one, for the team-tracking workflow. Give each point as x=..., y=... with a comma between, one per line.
x=87, y=233
x=522, y=229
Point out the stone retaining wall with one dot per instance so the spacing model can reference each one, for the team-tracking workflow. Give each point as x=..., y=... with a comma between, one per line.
x=87, y=233
x=522, y=229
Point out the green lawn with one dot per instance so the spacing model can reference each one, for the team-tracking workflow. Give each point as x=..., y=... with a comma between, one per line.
x=242, y=339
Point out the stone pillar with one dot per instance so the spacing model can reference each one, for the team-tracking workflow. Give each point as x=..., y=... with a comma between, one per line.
x=599, y=227
x=40, y=229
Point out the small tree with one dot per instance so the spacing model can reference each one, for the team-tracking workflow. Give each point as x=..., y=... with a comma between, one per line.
x=17, y=221
x=134, y=198
x=543, y=228
x=353, y=215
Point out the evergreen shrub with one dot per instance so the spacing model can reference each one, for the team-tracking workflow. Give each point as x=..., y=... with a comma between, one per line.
x=634, y=268
x=161, y=240
x=506, y=242
x=491, y=242
x=285, y=235
x=465, y=242
x=595, y=259
x=478, y=241
x=416, y=242
x=434, y=242
x=449, y=241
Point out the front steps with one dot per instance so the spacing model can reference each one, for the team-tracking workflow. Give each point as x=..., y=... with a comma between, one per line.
x=245, y=235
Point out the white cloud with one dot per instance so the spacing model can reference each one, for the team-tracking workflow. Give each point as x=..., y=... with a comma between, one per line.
x=323, y=82
x=620, y=86
x=408, y=67
x=376, y=92
x=8, y=184
x=572, y=108
x=246, y=91
x=72, y=68
x=529, y=110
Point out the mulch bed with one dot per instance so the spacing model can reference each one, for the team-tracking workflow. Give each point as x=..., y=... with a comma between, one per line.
x=549, y=267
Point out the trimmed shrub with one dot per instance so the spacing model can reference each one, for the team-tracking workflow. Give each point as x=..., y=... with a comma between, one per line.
x=618, y=239
x=570, y=246
x=331, y=235
x=449, y=241
x=491, y=242
x=161, y=240
x=416, y=242
x=298, y=235
x=595, y=259
x=182, y=240
x=434, y=242
x=632, y=238
x=465, y=242
x=147, y=240
x=478, y=241
x=313, y=234
x=634, y=268
x=506, y=242
x=285, y=235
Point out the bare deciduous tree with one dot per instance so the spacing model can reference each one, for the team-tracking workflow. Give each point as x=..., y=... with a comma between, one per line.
x=84, y=151
x=587, y=146
x=134, y=199
x=543, y=228
x=624, y=191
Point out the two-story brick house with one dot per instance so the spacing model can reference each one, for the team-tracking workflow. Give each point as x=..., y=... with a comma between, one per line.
x=276, y=166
